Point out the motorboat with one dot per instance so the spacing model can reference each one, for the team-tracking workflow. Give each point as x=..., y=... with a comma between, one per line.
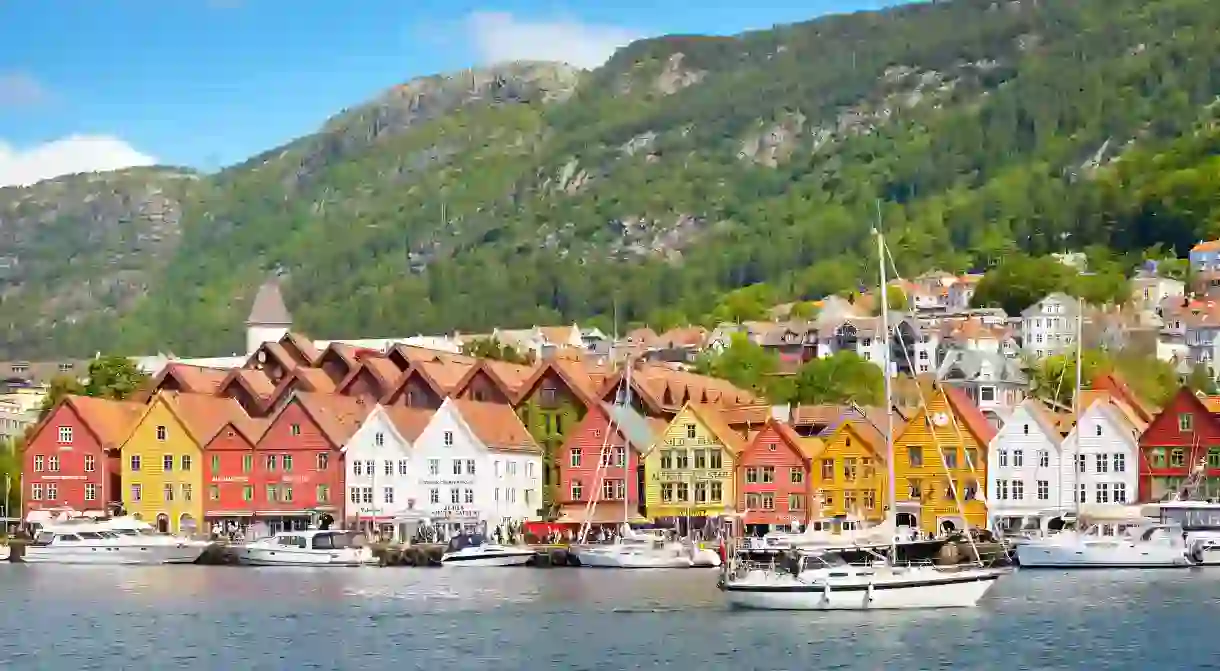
x=1110, y=545
x=823, y=580
x=474, y=550
x=1200, y=520
x=142, y=532
x=90, y=542
x=312, y=547
x=647, y=549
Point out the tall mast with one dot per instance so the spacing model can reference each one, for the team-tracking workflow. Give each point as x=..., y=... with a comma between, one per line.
x=1076, y=394
x=891, y=493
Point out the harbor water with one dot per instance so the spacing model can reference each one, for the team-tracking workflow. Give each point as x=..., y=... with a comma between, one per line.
x=65, y=618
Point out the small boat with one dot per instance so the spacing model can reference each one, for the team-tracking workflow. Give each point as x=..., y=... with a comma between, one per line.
x=312, y=547
x=90, y=542
x=640, y=551
x=822, y=580
x=474, y=550
x=142, y=532
x=1107, y=545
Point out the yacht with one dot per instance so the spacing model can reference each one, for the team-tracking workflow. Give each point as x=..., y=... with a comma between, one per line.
x=89, y=542
x=312, y=547
x=649, y=549
x=1110, y=545
x=142, y=532
x=1201, y=522
x=823, y=580
x=474, y=550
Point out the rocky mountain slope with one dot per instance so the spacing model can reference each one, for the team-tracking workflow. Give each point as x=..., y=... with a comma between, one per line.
x=684, y=167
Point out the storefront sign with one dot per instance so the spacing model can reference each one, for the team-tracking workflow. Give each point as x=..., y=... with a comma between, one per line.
x=427, y=483
x=64, y=477
x=713, y=475
x=232, y=478
x=672, y=476
x=453, y=512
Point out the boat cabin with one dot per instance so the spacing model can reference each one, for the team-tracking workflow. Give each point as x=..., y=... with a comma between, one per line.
x=463, y=541
x=1190, y=515
x=45, y=538
x=318, y=540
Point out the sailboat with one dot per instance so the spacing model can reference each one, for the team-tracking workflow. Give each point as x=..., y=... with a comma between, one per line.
x=1132, y=542
x=821, y=579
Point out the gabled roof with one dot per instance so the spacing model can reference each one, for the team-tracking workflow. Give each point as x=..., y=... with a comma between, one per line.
x=416, y=370
x=495, y=425
x=307, y=379
x=253, y=381
x=270, y=350
x=410, y=422
x=786, y=435
x=413, y=354
x=969, y=414
x=345, y=352
x=382, y=369
x=305, y=352
x=1114, y=383
x=710, y=416
x=109, y=421
x=193, y=379
x=268, y=308
x=1047, y=420
x=338, y=417
x=250, y=428
x=635, y=428
x=868, y=422
x=202, y=415
x=571, y=373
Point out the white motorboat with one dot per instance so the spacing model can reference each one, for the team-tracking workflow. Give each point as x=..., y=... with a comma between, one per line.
x=474, y=550
x=89, y=542
x=1201, y=522
x=648, y=549
x=139, y=531
x=822, y=580
x=312, y=547
x=1109, y=545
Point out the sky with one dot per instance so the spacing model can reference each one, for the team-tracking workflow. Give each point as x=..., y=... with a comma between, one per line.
x=91, y=85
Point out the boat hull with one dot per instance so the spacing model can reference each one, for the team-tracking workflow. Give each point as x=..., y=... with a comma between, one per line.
x=632, y=560
x=254, y=556
x=112, y=555
x=486, y=560
x=962, y=591
x=1036, y=555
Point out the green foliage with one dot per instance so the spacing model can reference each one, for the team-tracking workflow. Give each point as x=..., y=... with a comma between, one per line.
x=975, y=128
x=1200, y=381
x=745, y=304
x=843, y=377
x=111, y=377
x=1054, y=378
x=490, y=348
x=743, y=363
x=1020, y=281
x=10, y=476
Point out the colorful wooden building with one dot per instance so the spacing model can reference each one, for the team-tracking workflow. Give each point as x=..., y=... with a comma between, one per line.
x=1182, y=435
x=847, y=473
x=690, y=468
x=772, y=476
x=620, y=433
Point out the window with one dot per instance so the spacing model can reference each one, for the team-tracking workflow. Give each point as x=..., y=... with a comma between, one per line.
x=468, y=495
x=135, y=463
x=186, y=463
x=162, y=433
x=357, y=467
x=247, y=463
x=295, y=429
x=1001, y=490
x=828, y=499
x=286, y=462
x=167, y=493
x=1120, y=492
x=270, y=462
x=1003, y=454
x=1082, y=463
x=849, y=500
x=715, y=492
x=273, y=494
x=828, y=470
x=36, y=492
x=690, y=430
x=768, y=474
x=1120, y=462
x=1025, y=429
x=578, y=490
x=914, y=490
x=1098, y=429
x=457, y=468
x=870, y=499
x=53, y=464
x=715, y=460
x=167, y=463
x=766, y=500
x=323, y=461
x=1102, y=462
x=434, y=467
x=323, y=493
x=370, y=467
x=38, y=463
x=90, y=492
x=915, y=456
x=682, y=460
x=187, y=492
x=366, y=495
x=247, y=493
x=402, y=467
x=1018, y=490
x=388, y=467
x=1082, y=495
x=448, y=439
x=1044, y=490
x=387, y=495
x=215, y=464
x=213, y=493
x=1185, y=422
x=470, y=467
x=1177, y=458
x=987, y=393
x=65, y=434
x=752, y=474
x=434, y=495
x=455, y=495
x=970, y=490
x=950, y=455
x=52, y=491
x=1018, y=458
x=1102, y=495
x=574, y=458
x=353, y=495
x=667, y=460
x=1044, y=459
x=683, y=491
x=972, y=457
x=379, y=439
x=849, y=469
x=1157, y=456
x=701, y=492
x=701, y=459
x=796, y=475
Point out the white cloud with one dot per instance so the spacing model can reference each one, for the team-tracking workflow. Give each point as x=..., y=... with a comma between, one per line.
x=499, y=37
x=67, y=156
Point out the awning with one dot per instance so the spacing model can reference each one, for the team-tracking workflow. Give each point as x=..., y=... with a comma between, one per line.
x=228, y=513
x=601, y=515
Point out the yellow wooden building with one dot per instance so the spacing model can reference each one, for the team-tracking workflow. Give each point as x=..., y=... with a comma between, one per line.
x=944, y=442
x=690, y=469
x=847, y=473
x=162, y=458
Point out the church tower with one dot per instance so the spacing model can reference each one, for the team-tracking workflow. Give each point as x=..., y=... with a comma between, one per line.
x=269, y=318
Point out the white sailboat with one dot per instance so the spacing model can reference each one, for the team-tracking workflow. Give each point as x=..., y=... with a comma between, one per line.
x=821, y=580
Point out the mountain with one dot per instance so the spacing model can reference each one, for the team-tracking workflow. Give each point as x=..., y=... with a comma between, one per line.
x=684, y=167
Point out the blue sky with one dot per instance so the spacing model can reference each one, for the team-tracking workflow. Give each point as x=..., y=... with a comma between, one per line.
x=97, y=84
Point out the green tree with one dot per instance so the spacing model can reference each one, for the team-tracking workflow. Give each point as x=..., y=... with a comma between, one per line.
x=10, y=475
x=1020, y=281
x=59, y=387
x=804, y=310
x=745, y=364
x=1053, y=378
x=112, y=377
x=1200, y=380
x=843, y=377
x=751, y=303
x=491, y=348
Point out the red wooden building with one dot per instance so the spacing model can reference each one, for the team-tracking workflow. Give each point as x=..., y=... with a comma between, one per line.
x=298, y=469
x=1178, y=438
x=229, y=478
x=770, y=469
x=580, y=478
x=72, y=457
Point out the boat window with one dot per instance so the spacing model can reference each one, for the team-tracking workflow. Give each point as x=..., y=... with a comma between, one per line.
x=334, y=541
x=44, y=537
x=90, y=535
x=1192, y=519
x=67, y=537
x=292, y=541
x=125, y=532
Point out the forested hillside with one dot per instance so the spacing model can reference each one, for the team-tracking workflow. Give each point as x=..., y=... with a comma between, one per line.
x=683, y=168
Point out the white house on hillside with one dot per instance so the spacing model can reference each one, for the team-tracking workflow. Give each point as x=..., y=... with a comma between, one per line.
x=1024, y=473
x=380, y=488
x=1049, y=326
x=1105, y=443
x=478, y=467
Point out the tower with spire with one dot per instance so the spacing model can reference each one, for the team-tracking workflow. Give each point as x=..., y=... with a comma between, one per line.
x=269, y=318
